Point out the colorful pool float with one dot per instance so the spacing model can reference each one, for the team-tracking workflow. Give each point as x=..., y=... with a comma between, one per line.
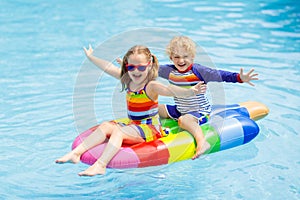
x=228, y=127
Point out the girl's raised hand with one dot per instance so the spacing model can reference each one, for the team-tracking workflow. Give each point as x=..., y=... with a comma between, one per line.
x=248, y=77
x=200, y=88
x=88, y=52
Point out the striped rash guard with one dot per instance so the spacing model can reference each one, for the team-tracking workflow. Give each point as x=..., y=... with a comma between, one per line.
x=191, y=77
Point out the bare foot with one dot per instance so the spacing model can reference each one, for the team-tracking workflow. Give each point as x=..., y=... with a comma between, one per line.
x=95, y=169
x=201, y=149
x=69, y=157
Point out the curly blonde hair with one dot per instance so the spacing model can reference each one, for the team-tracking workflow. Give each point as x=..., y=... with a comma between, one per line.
x=138, y=49
x=181, y=42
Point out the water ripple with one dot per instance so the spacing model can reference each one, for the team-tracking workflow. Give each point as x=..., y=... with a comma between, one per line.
x=41, y=113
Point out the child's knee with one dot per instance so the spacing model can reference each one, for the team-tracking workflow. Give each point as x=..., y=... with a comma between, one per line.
x=104, y=125
x=185, y=120
x=182, y=120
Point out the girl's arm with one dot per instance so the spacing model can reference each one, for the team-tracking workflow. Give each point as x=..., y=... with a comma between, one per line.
x=155, y=89
x=106, y=66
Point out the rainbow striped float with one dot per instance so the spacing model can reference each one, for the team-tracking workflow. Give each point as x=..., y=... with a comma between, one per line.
x=228, y=127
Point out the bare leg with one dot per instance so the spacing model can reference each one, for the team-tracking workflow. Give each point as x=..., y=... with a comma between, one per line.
x=97, y=137
x=114, y=144
x=190, y=124
x=111, y=149
x=162, y=111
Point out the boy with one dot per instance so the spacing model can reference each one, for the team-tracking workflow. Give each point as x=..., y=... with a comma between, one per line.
x=193, y=111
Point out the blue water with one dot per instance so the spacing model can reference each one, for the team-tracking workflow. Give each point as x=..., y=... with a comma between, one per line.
x=45, y=104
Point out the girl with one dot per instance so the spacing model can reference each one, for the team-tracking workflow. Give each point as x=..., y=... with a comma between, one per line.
x=138, y=73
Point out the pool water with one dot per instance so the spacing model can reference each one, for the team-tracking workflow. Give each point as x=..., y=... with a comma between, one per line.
x=46, y=102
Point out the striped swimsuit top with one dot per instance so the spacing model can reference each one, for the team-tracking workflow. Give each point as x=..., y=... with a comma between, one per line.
x=198, y=103
x=140, y=108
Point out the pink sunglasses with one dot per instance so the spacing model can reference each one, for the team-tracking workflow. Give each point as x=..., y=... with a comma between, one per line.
x=131, y=67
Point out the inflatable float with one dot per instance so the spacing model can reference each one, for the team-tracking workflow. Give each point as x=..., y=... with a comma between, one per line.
x=229, y=126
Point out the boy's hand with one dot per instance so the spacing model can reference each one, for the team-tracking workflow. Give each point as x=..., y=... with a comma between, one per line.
x=246, y=78
x=119, y=61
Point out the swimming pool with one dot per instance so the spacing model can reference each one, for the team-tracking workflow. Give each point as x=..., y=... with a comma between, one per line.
x=41, y=59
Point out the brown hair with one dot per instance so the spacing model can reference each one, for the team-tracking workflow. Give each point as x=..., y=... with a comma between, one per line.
x=181, y=41
x=138, y=49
